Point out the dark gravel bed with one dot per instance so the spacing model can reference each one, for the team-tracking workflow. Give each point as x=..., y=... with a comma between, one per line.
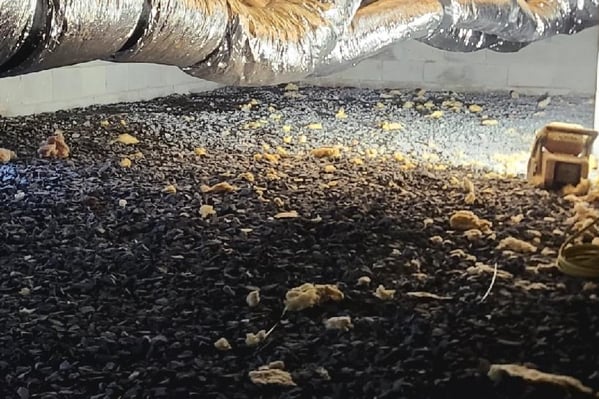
x=111, y=287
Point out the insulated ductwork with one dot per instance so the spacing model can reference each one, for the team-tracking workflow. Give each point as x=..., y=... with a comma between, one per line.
x=16, y=30
x=518, y=20
x=67, y=32
x=263, y=42
x=175, y=32
x=276, y=41
x=467, y=41
x=378, y=25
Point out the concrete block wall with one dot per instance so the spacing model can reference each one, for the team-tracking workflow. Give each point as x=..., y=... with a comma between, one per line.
x=92, y=83
x=559, y=65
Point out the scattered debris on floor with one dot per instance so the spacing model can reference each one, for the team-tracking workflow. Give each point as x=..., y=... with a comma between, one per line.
x=54, y=146
x=7, y=155
x=339, y=323
x=309, y=295
x=113, y=287
x=271, y=376
x=383, y=293
x=497, y=371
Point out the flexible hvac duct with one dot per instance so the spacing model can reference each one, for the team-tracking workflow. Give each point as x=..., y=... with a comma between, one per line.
x=76, y=31
x=175, y=32
x=259, y=42
x=277, y=41
x=378, y=25
x=518, y=20
x=16, y=28
x=467, y=41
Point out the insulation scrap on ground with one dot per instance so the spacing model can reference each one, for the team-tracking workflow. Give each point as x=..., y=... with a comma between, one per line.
x=7, y=155
x=126, y=139
x=222, y=344
x=200, y=151
x=427, y=295
x=516, y=245
x=252, y=339
x=253, y=299
x=54, y=147
x=530, y=286
x=222, y=187
x=309, y=295
x=467, y=220
x=480, y=268
x=287, y=215
x=473, y=234
x=170, y=189
x=271, y=376
x=364, y=281
x=436, y=240
x=339, y=323
x=326, y=152
x=460, y=253
x=206, y=211
x=125, y=163
x=384, y=294
x=582, y=188
x=496, y=372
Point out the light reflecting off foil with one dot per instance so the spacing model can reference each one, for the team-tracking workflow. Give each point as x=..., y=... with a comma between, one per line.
x=181, y=33
x=377, y=26
x=81, y=31
x=16, y=18
x=254, y=54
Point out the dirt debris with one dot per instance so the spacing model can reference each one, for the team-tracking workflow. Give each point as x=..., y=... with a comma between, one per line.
x=467, y=220
x=271, y=376
x=496, y=372
x=54, y=146
x=339, y=323
x=309, y=295
x=7, y=155
x=516, y=245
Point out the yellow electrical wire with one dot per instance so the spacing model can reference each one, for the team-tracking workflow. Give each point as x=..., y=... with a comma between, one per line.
x=581, y=260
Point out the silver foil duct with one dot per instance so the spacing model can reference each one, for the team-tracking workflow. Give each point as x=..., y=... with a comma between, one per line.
x=265, y=42
x=176, y=32
x=78, y=31
x=518, y=20
x=16, y=24
x=276, y=43
x=378, y=25
x=467, y=41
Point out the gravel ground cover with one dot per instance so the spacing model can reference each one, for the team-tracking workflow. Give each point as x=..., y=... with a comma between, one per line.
x=180, y=221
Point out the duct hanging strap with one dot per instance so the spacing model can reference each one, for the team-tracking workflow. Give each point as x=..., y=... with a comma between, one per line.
x=580, y=260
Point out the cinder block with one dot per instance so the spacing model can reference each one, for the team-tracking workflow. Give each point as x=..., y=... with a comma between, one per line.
x=474, y=57
x=369, y=69
x=465, y=75
x=37, y=88
x=403, y=71
x=139, y=77
x=580, y=48
x=93, y=80
x=540, y=54
x=178, y=77
x=117, y=78
x=578, y=79
x=531, y=76
x=417, y=51
x=11, y=91
x=67, y=84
